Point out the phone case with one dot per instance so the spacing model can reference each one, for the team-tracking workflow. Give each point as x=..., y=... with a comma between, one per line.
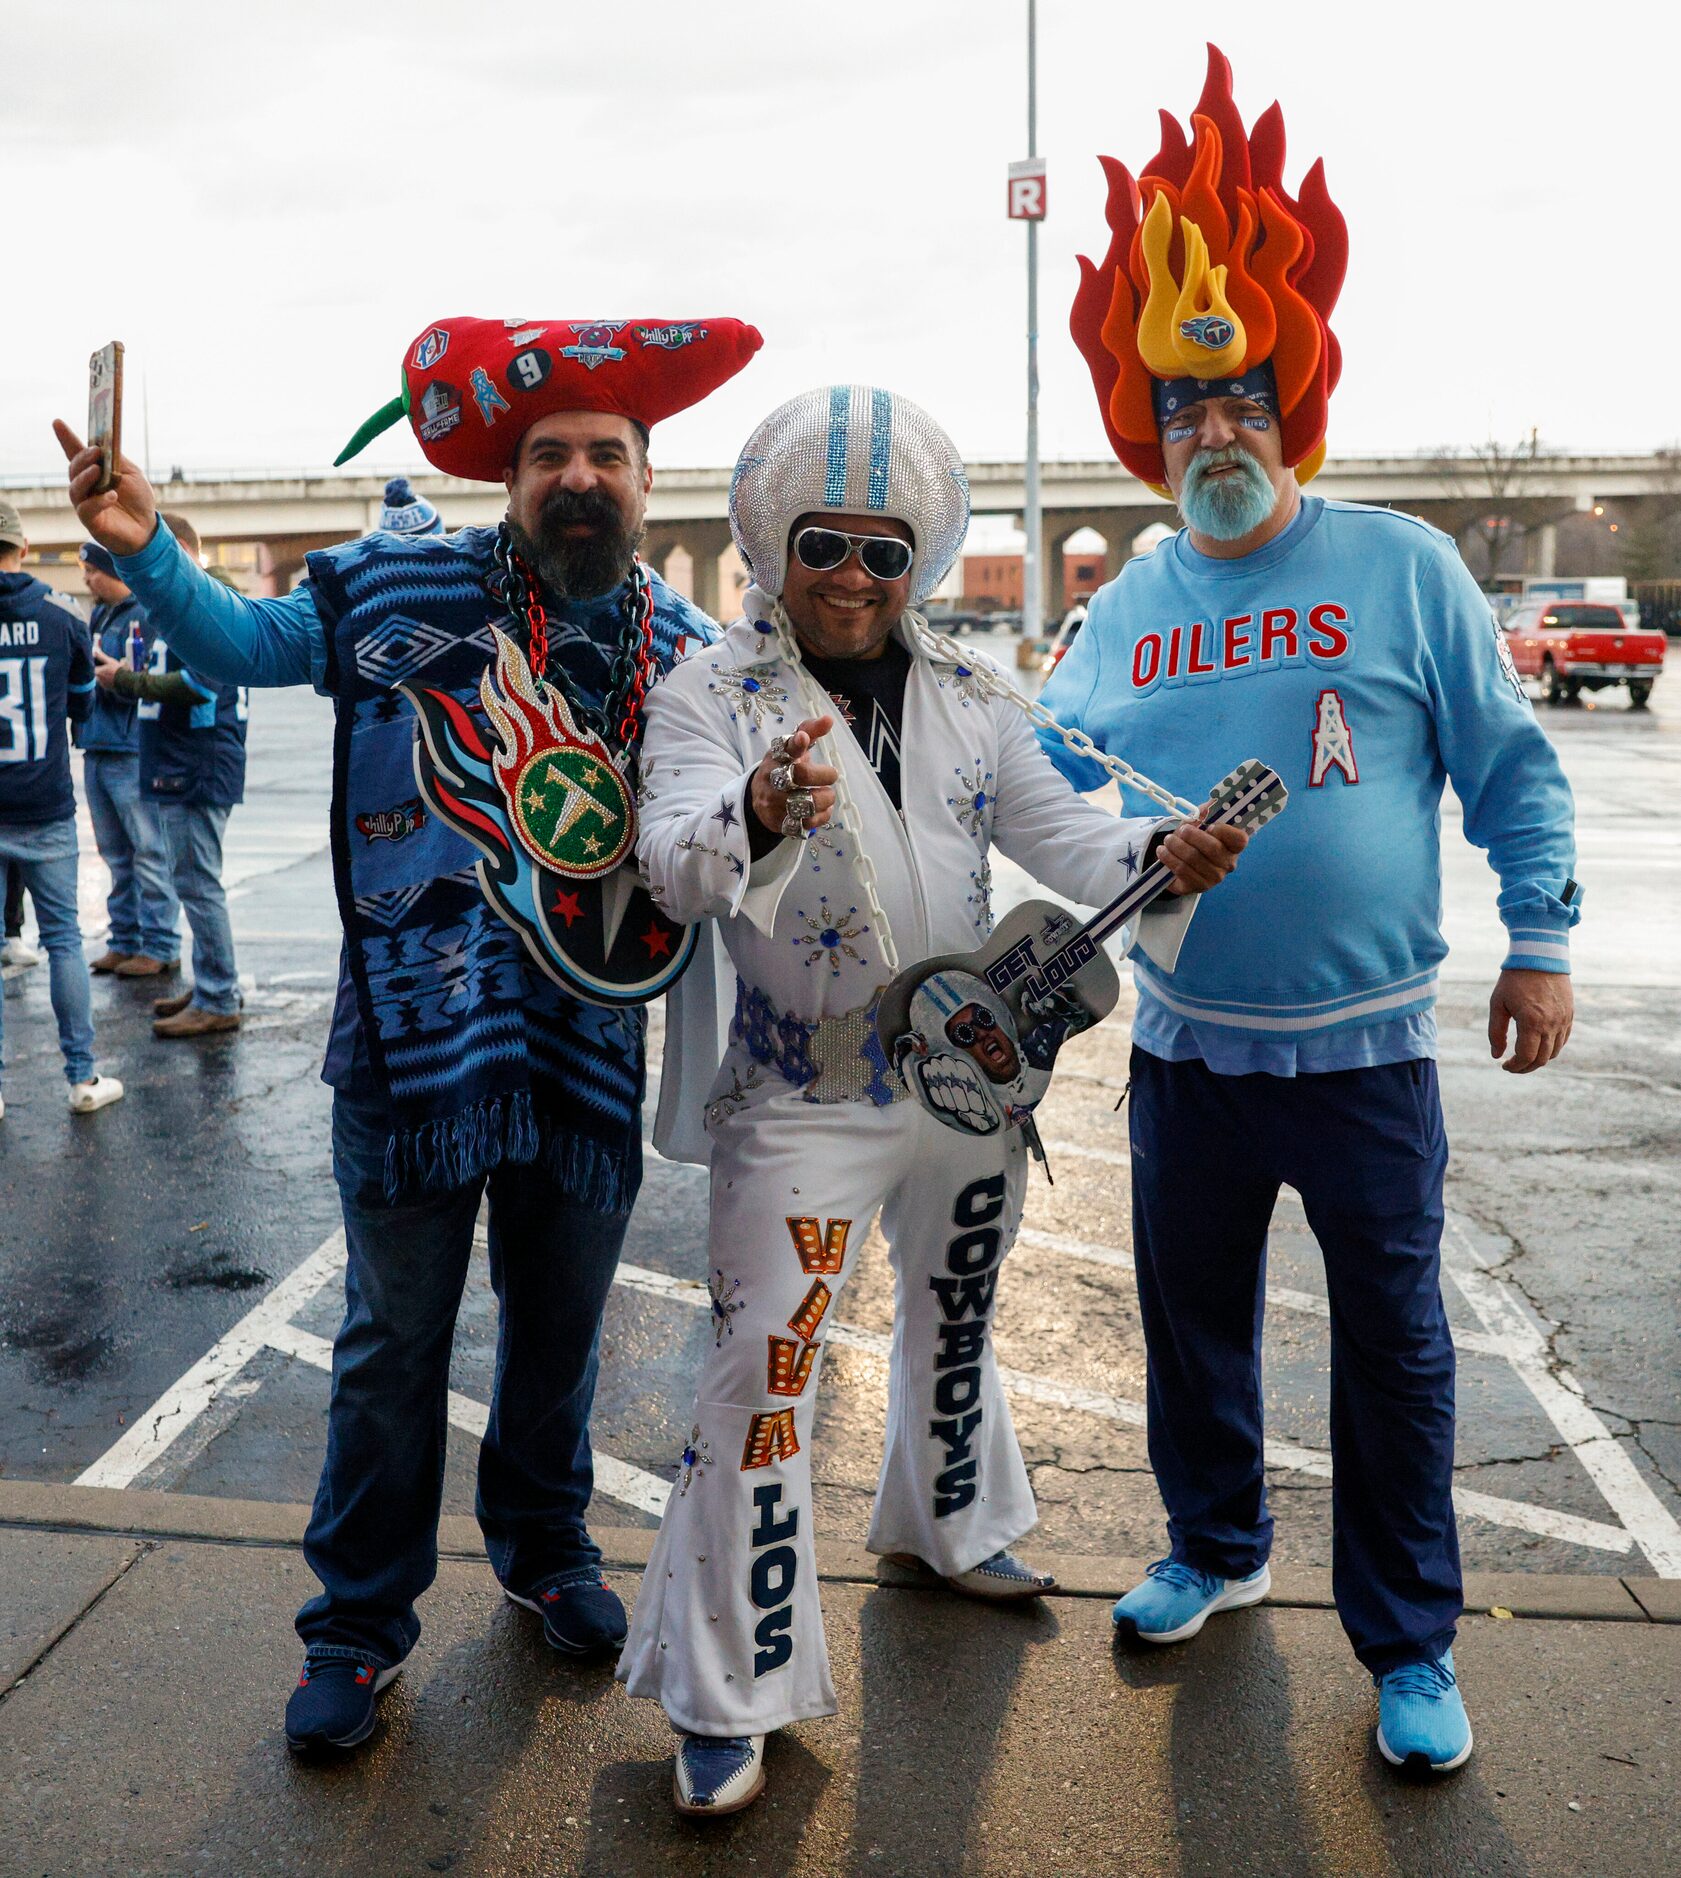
x=105, y=409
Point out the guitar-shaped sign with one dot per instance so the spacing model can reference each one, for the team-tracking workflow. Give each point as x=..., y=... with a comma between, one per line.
x=974, y=1035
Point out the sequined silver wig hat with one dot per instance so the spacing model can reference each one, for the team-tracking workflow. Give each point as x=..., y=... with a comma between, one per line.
x=849, y=450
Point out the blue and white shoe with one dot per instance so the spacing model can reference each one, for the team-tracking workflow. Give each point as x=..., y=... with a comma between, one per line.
x=1002, y=1577
x=1176, y=1600
x=1422, y=1726
x=717, y=1774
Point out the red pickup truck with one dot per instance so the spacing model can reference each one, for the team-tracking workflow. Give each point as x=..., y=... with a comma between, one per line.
x=1573, y=646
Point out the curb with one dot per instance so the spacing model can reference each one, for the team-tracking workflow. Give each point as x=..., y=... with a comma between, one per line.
x=129, y=1513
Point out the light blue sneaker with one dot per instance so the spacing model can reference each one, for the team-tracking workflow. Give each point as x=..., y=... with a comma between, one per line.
x=1422, y=1726
x=1175, y=1601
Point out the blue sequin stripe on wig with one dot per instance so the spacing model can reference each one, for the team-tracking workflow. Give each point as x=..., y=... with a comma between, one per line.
x=881, y=444
x=834, y=487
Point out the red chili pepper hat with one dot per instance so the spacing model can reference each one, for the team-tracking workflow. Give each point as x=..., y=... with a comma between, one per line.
x=472, y=388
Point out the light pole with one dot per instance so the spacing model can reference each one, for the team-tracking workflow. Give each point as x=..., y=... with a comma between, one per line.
x=1033, y=573
x=1027, y=204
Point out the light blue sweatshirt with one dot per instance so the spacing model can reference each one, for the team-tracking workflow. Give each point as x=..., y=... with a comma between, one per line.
x=1355, y=655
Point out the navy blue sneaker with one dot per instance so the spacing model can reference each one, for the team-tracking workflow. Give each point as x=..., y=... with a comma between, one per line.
x=333, y=1704
x=1422, y=1726
x=582, y=1614
x=1176, y=1600
x=717, y=1774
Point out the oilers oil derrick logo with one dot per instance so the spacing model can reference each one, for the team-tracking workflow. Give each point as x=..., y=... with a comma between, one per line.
x=554, y=821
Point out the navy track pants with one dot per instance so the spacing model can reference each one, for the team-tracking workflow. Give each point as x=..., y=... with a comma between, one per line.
x=1366, y=1150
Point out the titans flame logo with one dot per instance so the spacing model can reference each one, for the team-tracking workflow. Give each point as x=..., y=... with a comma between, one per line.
x=555, y=825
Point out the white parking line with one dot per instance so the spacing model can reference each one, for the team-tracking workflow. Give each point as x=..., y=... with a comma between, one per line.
x=1519, y=1514
x=185, y=1400
x=630, y=1486
x=1510, y=1332
x=268, y=1325
x=1649, y=1522
x=1282, y=1296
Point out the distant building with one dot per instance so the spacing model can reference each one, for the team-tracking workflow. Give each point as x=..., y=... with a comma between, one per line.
x=992, y=583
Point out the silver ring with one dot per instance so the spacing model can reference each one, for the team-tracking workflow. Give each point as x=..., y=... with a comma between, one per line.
x=782, y=777
x=781, y=748
x=796, y=811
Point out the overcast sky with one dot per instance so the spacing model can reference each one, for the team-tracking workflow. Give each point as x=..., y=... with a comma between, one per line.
x=265, y=203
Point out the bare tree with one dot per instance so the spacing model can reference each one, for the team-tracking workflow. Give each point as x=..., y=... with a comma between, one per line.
x=1484, y=483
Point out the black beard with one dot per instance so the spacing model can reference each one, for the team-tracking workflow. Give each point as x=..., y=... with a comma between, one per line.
x=578, y=567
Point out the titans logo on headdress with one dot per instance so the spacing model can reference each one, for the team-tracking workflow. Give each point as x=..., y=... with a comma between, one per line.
x=1213, y=269
x=555, y=822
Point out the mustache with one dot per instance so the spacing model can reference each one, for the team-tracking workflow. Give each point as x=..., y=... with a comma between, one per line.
x=568, y=508
x=1223, y=458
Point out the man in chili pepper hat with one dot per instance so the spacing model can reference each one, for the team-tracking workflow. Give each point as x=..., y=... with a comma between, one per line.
x=1349, y=648
x=486, y=1032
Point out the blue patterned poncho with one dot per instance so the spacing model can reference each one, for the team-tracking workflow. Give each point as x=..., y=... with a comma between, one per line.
x=479, y=1056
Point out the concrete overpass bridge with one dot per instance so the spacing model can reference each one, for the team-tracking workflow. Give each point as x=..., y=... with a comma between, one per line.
x=262, y=524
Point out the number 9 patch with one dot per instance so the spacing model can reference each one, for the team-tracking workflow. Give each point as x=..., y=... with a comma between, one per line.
x=528, y=369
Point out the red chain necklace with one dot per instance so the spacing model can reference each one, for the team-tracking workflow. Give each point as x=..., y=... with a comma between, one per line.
x=629, y=685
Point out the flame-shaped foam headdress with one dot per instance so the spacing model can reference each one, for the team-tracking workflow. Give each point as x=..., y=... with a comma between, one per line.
x=1213, y=271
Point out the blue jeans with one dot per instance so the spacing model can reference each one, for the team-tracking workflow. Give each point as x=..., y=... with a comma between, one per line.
x=373, y=1534
x=142, y=907
x=1366, y=1150
x=46, y=854
x=192, y=834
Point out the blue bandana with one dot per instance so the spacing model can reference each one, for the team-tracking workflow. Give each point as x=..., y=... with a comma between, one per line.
x=1173, y=394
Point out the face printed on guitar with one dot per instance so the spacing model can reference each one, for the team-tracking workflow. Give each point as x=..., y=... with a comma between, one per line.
x=977, y=1032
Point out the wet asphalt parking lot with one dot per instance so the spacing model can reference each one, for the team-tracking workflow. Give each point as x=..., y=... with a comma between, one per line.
x=169, y=1281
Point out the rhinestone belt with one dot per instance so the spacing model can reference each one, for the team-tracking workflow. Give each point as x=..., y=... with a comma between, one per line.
x=837, y=1059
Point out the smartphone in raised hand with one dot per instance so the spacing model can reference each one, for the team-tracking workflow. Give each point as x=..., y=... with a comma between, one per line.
x=105, y=410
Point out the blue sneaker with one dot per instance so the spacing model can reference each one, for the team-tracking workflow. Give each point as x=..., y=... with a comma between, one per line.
x=582, y=1614
x=333, y=1704
x=1176, y=1600
x=718, y=1774
x=1422, y=1726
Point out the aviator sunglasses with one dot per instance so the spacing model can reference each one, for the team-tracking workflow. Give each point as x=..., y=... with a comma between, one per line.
x=885, y=557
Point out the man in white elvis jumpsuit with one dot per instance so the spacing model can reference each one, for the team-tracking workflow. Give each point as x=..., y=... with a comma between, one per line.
x=848, y=505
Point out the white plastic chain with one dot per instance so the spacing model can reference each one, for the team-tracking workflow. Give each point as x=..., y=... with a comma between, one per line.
x=990, y=679
x=816, y=703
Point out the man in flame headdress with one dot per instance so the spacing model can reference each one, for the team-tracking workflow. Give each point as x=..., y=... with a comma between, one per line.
x=1349, y=648
x=479, y=1040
